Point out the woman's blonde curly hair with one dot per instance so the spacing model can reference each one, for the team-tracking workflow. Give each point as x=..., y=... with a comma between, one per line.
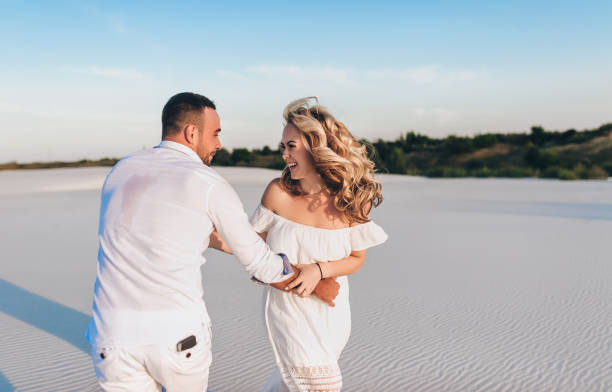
x=340, y=160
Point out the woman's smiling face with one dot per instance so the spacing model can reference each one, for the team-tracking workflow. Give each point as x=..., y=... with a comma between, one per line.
x=294, y=153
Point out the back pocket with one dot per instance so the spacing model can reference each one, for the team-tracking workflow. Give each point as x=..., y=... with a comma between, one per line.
x=193, y=360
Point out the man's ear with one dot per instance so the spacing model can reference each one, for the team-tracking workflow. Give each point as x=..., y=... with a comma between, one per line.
x=190, y=131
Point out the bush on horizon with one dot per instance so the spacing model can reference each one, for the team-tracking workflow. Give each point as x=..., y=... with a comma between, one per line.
x=533, y=154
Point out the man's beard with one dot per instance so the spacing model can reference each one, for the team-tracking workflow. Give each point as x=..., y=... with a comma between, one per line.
x=209, y=159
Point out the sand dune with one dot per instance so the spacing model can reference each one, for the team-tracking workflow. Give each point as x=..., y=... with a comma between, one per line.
x=484, y=285
x=17, y=182
x=34, y=360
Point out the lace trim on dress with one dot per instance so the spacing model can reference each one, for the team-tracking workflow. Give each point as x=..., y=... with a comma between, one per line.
x=315, y=378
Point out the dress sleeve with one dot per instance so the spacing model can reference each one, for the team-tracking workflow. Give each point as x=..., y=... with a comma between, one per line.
x=262, y=219
x=367, y=235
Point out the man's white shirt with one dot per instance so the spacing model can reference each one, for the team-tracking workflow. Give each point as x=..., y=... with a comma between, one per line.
x=158, y=209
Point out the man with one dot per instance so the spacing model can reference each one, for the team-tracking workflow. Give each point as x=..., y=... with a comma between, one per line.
x=150, y=327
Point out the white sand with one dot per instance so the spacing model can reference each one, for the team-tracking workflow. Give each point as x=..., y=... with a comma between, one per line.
x=483, y=285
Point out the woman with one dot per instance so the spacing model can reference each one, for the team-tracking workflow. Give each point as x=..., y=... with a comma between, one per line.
x=318, y=214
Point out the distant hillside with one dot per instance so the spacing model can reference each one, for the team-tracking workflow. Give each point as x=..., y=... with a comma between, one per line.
x=565, y=155
x=59, y=164
x=546, y=154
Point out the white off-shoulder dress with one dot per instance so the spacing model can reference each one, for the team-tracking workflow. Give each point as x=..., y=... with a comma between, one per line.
x=306, y=334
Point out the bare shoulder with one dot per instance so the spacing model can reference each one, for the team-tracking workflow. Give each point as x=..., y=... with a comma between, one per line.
x=274, y=197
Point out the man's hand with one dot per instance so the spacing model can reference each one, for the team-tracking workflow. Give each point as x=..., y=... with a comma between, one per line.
x=326, y=290
x=282, y=285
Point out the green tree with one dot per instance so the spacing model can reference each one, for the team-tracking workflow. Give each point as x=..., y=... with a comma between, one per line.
x=222, y=158
x=538, y=135
x=597, y=173
x=537, y=158
x=458, y=145
x=397, y=161
x=241, y=155
x=278, y=163
x=485, y=140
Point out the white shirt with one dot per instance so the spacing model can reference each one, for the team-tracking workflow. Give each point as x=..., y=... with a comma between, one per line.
x=158, y=209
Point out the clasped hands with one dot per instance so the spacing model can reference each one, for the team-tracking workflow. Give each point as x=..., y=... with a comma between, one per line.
x=307, y=280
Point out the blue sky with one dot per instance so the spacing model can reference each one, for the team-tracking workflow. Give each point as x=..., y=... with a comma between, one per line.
x=84, y=79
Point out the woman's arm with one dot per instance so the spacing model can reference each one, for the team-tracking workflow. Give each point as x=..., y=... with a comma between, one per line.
x=217, y=242
x=346, y=266
x=311, y=274
x=277, y=200
x=263, y=235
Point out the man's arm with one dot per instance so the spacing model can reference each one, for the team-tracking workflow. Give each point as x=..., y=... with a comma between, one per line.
x=231, y=221
x=326, y=290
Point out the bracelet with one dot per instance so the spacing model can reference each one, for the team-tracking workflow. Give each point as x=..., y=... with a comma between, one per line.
x=320, y=270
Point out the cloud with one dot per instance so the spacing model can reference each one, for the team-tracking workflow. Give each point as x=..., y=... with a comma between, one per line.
x=65, y=112
x=419, y=74
x=424, y=74
x=325, y=73
x=428, y=74
x=437, y=114
x=117, y=25
x=231, y=75
x=294, y=73
x=105, y=72
x=8, y=107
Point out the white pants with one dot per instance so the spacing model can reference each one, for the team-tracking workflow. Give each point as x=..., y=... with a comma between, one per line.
x=148, y=368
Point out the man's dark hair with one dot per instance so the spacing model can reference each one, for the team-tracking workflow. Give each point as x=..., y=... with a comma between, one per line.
x=178, y=109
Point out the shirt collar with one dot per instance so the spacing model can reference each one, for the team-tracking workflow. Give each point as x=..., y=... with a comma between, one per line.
x=179, y=147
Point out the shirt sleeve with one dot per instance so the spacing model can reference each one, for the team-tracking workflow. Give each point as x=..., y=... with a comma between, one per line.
x=367, y=235
x=231, y=221
x=262, y=219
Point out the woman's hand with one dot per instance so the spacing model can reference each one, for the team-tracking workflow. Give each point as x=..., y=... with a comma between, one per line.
x=303, y=285
x=217, y=242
